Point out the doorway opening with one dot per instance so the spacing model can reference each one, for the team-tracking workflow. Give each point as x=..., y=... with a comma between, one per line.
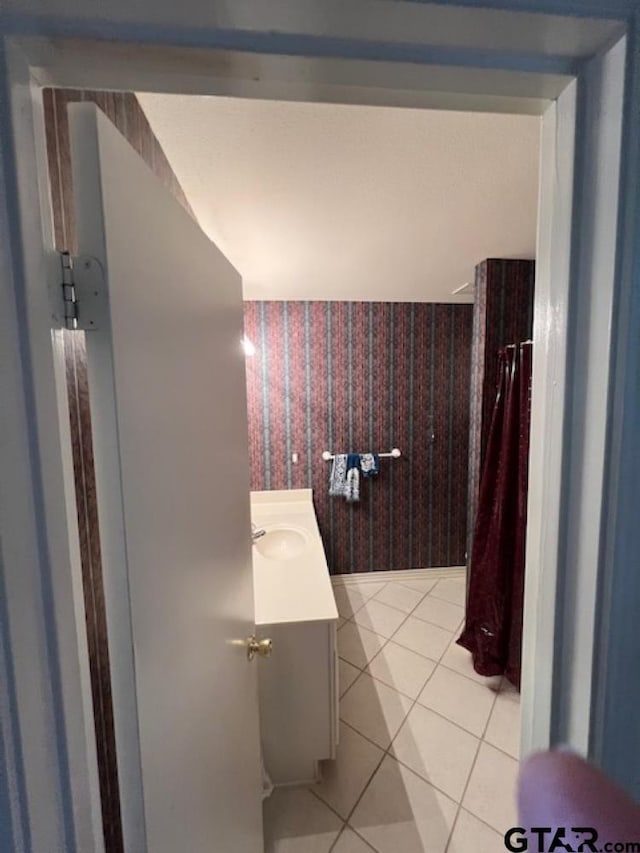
x=544, y=699
x=376, y=346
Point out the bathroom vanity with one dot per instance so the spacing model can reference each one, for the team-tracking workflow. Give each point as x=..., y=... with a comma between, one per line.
x=296, y=609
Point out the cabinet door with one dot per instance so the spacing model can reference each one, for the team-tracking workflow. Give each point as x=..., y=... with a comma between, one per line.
x=298, y=706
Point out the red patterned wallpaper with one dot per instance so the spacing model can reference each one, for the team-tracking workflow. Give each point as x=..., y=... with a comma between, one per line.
x=361, y=376
x=503, y=314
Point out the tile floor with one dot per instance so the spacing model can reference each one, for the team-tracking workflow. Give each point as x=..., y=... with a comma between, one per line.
x=428, y=749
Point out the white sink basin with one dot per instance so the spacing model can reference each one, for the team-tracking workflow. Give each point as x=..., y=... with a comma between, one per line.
x=282, y=542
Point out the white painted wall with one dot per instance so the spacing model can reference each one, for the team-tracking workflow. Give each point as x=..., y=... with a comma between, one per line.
x=335, y=201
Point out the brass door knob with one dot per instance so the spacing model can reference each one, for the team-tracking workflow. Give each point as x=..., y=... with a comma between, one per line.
x=263, y=648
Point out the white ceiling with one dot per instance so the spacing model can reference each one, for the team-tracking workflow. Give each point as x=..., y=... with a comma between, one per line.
x=326, y=201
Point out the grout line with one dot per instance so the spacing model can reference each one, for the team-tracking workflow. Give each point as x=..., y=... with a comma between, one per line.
x=364, y=840
x=358, y=732
x=446, y=600
x=369, y=781
x=422, y=595
x=416, y=701
x=463, y=675
x=397, y=689
x=479, y=819
x=439, y=661
x=328, y=805
x=423, y=655
x=345, y=825
x=386, y=641
x=429, y=622
x=453, y=722
x=387, y=751
x=473, y=766
x=499, y=749
x=373, y=773
x=410, y=612
x=337, y=838
x=398, y=643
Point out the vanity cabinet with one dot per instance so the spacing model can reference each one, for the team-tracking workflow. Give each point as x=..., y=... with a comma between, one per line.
x=295, y=608
x=298, y=693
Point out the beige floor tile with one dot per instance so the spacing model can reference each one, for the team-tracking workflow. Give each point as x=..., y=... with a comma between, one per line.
x=347, y=674
x=402, y=597
x=439, y=751
x=451, y=589
x=503, y=730
x=458, y=699
x=344, y=779
x=368, y=589
x=423, y=637
x=492, y=787
x=379, y=617
x=349, y=599
x=350, y=842
x=374, y=709
x=357, y=645
x=440, y=612
x=470, y=835
x=297, y=822
x=459, y=660
x=401, y=668
x=401, y=813
x=423, y=585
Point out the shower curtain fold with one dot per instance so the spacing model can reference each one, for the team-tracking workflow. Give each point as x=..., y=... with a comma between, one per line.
x=493, y=624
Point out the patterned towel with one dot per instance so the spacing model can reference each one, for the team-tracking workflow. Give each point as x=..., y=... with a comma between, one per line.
x=352, y=491
x=345, y=477
x=338, y=478
x=369, y=464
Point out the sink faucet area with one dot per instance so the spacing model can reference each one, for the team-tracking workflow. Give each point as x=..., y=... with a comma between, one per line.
x=291, y=577
x=257, y=532
x=282, y=542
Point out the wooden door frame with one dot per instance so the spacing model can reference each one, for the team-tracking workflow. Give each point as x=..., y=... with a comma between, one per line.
x=582, y=541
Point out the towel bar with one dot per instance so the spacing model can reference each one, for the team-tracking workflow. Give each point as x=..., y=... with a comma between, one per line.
x=394, y=454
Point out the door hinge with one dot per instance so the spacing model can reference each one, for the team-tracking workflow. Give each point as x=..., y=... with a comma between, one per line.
x=81, y=289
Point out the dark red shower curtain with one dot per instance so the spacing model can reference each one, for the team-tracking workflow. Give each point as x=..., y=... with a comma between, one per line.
x=493, y=625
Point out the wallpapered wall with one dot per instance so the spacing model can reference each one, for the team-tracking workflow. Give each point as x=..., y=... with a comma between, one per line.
x=502, y=314
x=365, y=376
x=124, y=111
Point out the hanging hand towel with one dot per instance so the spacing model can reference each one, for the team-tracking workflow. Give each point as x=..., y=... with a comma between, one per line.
x=338, y=479
x=352, y=490
x=369, y=464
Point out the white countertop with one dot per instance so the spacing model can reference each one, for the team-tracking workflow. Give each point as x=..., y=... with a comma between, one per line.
x=297, y=589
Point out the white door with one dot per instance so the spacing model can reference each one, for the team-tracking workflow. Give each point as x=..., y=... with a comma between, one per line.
x=168, y=404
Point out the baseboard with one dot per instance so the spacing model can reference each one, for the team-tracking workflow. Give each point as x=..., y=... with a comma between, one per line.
x=400, y=575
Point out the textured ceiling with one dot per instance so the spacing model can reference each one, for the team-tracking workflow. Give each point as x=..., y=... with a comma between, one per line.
x=325, y=201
